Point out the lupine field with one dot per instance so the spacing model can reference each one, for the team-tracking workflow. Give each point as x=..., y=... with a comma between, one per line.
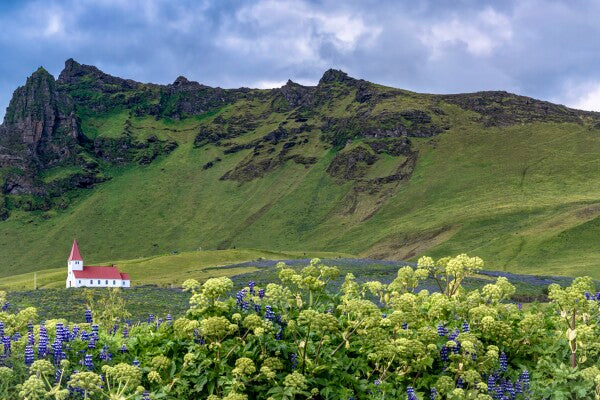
x=299, y=339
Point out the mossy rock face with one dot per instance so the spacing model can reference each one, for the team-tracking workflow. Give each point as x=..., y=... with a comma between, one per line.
x=499, y=108
x=351, y=164
x=186, y=166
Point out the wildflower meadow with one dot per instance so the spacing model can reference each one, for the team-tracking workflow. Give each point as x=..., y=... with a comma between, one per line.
x=297, y=339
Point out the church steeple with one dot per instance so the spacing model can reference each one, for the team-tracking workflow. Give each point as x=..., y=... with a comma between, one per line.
x=75, y=261
x=75, y=254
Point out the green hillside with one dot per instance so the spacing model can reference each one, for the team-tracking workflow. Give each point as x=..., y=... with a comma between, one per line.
x=396, y=175
x=166, y=270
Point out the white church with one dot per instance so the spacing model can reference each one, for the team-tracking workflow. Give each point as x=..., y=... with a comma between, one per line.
x=87, y=276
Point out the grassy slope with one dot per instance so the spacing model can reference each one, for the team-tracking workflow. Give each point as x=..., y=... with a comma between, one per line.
x=524, y=197
x=166, y=270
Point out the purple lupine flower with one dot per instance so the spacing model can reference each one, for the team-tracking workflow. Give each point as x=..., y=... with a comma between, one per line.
x=269, y=314
x=251, y=285
x=88, y=316
x=30, y=338
x=294, y=360
x=1, y=329
x=75, y=332
x=257, y=308
x=444, y=354
x=57, y=351
x=29, y=356
x=524, y=379
x=442, y=331
x=43, y=341
x=92, y=343
x=150, y=318
x=503, y=362
x=95, y=331
x=456, y=349
x=261, y=293
x=239, y=298
x=6, y=306
x=169, y=318
x=454, y=334
x=7, y=345
x=123, y=349
x=279, y=334
x=125, y=332
x=410, y=393
x=103, y=355
x=146, y=396
x=460, y=383
x=465, y=327
x=88, y=362
x=377, y=382
x=405, y=325
x=434, y=394
x=135, y=362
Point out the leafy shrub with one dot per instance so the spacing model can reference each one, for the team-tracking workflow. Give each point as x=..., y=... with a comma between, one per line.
x=297, y=340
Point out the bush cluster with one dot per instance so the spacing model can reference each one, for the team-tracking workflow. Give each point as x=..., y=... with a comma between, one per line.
x=296, y=340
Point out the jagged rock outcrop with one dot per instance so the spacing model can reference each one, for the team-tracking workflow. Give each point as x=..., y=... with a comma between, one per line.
x=74, y=72
x=335, y=75
x=40, y=126
x=184, y=97
x=500, y=108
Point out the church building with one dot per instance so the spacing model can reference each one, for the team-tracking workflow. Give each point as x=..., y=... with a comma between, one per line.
x=87, y=276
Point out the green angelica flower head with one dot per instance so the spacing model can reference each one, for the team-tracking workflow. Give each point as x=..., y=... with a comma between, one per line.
x=90, y=382
x=33, y=389
x=244, y=367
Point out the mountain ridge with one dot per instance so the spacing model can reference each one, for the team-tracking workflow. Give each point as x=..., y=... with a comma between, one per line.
x=293, y=164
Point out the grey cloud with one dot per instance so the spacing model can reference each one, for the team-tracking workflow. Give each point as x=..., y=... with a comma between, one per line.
x=544, y=49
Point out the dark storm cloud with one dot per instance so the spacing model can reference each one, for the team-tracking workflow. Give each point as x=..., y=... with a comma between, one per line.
x=544, y=49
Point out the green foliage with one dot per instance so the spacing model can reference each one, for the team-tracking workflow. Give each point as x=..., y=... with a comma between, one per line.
x=110, y=308
x=506, y=191
x=274, y=342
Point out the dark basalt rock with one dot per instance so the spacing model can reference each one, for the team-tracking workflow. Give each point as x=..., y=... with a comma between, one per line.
x=351, y=164
x=74, y=72
x=40, y=127
x=499, y=108
x=22, y=183
x=126, y=149
x=395, y=146
x=293, y=95
x=335, y=75
x=412, y=123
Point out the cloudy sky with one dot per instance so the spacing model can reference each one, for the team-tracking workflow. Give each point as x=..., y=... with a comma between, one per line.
x=544, y=49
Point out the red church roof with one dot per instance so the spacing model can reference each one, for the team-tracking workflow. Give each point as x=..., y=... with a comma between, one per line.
x=100, y=273
x=75, y=255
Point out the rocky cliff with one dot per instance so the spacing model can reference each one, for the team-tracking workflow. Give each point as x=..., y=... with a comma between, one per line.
x=40, y=127
x=365, y=124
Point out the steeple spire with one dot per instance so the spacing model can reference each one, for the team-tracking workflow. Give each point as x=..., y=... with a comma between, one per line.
x=75, y=255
